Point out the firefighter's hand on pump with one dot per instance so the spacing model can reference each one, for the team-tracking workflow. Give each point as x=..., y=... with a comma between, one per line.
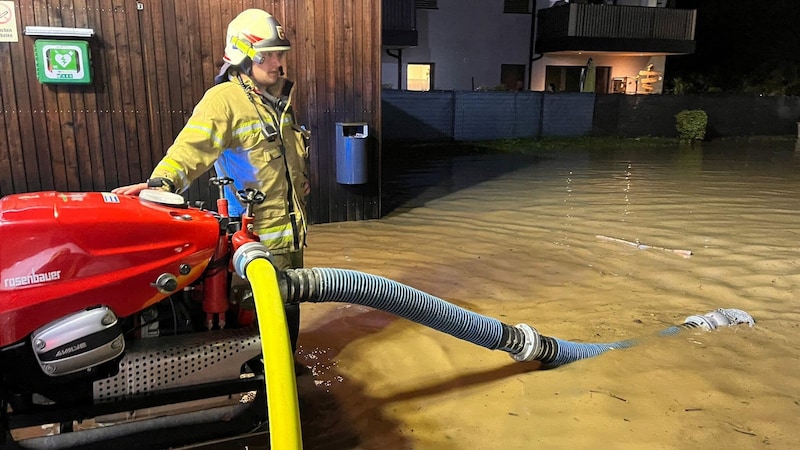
x=153, y=183
x=133, y=189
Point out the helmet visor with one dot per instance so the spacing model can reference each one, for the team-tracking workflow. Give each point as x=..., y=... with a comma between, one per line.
x=276, y=41
x=272, y=45
x=260, y=57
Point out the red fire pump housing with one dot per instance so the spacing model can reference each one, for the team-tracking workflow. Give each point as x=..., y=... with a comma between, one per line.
x=63, y=252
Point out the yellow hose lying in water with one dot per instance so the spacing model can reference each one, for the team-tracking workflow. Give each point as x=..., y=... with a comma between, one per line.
x=276, y=348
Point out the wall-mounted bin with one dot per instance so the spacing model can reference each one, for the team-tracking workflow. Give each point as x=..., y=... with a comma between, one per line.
x=351, y=152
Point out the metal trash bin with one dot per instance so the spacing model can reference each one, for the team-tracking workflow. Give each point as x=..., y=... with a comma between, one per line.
x=351, y=152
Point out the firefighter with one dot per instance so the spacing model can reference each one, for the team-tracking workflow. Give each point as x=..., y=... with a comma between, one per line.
x=245, y=127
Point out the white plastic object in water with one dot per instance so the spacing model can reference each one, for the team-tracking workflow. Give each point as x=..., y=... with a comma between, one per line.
x=720, y=317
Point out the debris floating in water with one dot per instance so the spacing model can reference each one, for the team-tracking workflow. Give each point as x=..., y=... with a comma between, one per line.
x=640, y=246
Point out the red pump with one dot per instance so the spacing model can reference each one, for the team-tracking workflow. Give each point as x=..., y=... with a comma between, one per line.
x=62, y=252
x=108, y=305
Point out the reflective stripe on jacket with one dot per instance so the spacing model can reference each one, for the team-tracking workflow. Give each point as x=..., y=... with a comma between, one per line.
x=229, y=129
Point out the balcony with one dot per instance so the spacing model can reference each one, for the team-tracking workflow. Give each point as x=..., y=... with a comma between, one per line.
x=399, y=24
x=624, y=29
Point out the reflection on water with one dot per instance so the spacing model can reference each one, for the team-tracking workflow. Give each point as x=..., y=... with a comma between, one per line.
x=516, y=238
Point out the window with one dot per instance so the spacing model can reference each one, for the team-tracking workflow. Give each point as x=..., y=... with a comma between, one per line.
x=512, y=76
x=517, y=6
x=420, y=77
x=563, y=78
x=568, y=79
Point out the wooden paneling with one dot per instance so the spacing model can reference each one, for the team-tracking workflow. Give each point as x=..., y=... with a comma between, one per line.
x=151, y=64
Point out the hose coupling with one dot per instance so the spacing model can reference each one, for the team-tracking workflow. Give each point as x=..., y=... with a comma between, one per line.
x=247, y=253
x=531, y=348
x=720, y=317
x=302, y=285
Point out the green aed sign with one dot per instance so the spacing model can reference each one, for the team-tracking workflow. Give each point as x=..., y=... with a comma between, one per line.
x=62, y=61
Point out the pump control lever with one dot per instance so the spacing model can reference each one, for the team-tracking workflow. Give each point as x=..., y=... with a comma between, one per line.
x=222, y=202
x=251, y=197
x=220, y=182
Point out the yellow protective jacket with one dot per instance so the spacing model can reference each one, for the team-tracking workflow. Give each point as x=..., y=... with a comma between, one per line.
x=235, y=128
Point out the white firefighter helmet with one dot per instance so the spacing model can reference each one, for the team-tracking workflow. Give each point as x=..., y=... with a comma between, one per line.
x=251, y=32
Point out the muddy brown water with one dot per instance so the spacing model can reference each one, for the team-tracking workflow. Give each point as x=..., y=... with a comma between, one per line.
x=516, y=238
x=549, y=239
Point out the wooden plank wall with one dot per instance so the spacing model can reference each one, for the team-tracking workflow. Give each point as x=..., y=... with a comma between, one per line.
x=151, y=62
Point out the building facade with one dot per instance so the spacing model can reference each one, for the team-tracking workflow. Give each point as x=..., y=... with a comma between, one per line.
x=602, y=46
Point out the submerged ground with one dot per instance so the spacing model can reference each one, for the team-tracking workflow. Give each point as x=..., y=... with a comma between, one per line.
x=517, y=231
x=513, y=234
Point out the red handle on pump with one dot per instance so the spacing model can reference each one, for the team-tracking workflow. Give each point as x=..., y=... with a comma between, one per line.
x=222, y=202
x=215, y=289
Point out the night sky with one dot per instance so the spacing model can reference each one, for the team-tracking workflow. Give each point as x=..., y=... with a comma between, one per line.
x=741, y=38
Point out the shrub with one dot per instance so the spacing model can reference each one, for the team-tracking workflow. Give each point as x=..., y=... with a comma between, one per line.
x=691, y=124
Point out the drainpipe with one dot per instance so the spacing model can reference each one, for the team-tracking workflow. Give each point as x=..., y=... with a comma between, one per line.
x=399, y=58
x=531, y=53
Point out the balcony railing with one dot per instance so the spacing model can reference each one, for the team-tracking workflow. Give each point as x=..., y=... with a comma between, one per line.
x=559, y=26
x=399, y=23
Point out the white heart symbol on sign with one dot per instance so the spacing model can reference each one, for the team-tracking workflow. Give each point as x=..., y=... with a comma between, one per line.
x=63, y=59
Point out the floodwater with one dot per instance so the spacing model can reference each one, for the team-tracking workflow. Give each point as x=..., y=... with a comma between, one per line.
x=517, y=238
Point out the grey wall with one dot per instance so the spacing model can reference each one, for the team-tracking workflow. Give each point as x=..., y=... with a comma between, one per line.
x=475, y=116
x=479, y=116
x=412, y=115
x=567, y=114
x=468, y=115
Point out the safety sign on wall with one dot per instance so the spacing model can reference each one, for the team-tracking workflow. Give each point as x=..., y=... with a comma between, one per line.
x=62, y=61
x=8, y=22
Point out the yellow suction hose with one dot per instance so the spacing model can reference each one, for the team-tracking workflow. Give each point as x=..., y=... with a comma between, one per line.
x=276, y=349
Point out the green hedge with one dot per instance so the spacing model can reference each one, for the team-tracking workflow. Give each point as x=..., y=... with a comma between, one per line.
x=691, y=124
